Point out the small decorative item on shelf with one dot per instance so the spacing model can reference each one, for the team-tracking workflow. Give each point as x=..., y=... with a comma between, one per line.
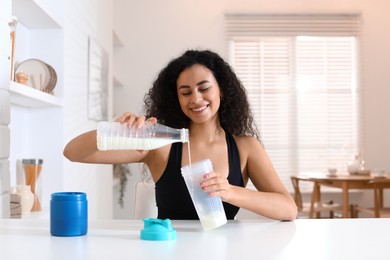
x=26, y=197
x=12, y=25
x=37, y=74
x=15, y=206
x=21, y=77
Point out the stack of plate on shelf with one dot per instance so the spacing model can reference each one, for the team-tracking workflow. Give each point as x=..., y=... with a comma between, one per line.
x=37, y=74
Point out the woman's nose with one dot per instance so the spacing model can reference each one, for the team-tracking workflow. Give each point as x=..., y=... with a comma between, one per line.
x=196, y=97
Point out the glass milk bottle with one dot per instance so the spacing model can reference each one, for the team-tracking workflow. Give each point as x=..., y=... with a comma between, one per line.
x=117, y=136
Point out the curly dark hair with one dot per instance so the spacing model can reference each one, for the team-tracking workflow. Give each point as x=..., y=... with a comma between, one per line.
x=234, y=113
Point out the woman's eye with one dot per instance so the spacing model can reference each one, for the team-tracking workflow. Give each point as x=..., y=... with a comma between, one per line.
x=186, y=93
x=204, y=89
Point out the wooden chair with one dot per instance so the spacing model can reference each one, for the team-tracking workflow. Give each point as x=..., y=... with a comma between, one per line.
x=378, y=211
x=318, y=207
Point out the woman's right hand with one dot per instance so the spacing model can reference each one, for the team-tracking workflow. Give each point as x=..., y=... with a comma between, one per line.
x=131, y=118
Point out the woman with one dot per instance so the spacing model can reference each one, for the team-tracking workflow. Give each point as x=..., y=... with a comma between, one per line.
x=200, y=91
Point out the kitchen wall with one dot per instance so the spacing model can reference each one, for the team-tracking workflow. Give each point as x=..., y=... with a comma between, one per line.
x=83, y=19
x=153, y=32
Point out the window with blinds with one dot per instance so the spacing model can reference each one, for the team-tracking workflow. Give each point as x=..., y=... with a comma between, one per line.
x=301, y=73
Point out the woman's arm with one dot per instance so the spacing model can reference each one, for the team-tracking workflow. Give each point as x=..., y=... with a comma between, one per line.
x=83, y=148
x=271, y=200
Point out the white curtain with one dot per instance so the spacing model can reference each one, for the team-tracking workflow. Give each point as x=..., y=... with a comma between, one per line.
x=302, y=76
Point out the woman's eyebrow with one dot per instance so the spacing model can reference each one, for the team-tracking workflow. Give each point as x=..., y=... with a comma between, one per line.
x=184, y=86
x=202, y=82
x=198, y=84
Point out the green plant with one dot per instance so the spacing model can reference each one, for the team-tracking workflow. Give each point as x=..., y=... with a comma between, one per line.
x=122, y=171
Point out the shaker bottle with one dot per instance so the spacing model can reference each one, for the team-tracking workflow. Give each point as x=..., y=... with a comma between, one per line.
x=32, y=170
x=117, y=136
x=68, y=214
x=209, y=208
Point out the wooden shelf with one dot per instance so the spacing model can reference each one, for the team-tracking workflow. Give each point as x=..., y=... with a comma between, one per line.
x=26, y=96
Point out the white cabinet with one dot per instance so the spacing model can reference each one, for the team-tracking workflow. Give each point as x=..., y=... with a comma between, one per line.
x=36, y=120
x=5, y=11
x=4, y=188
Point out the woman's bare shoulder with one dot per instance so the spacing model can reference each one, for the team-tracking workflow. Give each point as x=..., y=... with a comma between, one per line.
x=248, y=145
x=247, y=141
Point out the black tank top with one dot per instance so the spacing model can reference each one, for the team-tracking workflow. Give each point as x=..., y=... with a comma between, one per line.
x=172, y=197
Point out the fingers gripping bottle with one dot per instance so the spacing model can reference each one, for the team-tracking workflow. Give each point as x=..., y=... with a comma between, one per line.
x=117, y=136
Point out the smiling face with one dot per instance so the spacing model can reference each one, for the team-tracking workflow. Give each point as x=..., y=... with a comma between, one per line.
x=199, y=93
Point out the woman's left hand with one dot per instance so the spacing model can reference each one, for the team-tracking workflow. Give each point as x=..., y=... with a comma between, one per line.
x=216, y=185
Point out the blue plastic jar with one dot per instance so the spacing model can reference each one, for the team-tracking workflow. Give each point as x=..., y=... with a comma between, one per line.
x=68, y=214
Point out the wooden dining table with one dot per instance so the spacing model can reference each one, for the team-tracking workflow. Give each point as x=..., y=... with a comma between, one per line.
x=345, y=182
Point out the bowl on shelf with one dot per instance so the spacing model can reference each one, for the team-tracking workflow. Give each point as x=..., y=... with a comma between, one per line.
x=21, y=77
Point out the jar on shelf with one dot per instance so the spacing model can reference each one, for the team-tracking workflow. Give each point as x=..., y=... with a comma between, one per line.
x=32, y=170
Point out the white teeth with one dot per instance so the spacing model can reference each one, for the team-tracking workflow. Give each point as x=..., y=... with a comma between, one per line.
x=199, y=109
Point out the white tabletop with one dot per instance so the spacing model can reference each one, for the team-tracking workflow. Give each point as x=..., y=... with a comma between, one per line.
x=245, y=239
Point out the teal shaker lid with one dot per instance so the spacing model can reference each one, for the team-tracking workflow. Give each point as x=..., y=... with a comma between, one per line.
x=158, y=229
